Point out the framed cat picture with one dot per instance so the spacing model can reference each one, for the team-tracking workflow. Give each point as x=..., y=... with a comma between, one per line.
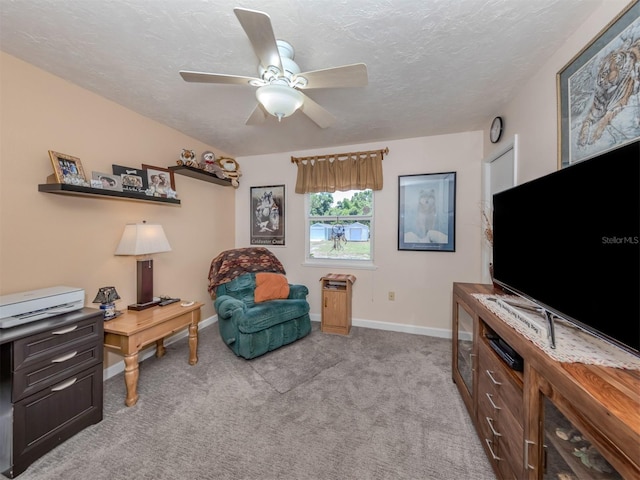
x=427, y=212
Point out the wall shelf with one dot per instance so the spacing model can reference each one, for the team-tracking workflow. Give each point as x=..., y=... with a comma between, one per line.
x=65, y=189
x=200, y=175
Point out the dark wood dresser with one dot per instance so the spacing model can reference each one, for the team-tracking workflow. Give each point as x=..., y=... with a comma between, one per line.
x=50, y=385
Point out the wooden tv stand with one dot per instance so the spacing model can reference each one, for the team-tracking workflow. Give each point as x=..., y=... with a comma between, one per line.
x=540, y=422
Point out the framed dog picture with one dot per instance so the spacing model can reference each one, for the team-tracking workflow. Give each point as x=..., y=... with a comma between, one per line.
x=427, y=212
x=267, y=215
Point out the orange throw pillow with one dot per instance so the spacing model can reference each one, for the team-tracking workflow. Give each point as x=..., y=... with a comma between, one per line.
x=270, y=286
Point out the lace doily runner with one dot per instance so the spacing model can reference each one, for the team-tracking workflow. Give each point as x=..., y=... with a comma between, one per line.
x=572, y=344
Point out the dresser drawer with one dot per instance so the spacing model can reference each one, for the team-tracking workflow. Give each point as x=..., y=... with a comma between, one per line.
x=495, y=377
x=502, y=433
x=45, y=419
x=55, y=342
x=34, y=376
x=511, y=443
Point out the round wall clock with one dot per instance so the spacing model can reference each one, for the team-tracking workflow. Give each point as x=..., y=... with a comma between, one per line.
x=496, y=130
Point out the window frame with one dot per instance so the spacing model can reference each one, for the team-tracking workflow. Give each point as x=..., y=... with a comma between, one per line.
x=336, y=262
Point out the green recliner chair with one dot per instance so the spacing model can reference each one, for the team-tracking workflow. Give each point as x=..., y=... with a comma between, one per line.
x=252, y=328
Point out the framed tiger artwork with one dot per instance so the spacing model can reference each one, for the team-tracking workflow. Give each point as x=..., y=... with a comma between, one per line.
x=599, y=92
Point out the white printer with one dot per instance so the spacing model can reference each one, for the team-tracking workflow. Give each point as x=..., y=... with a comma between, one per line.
x=25, y=307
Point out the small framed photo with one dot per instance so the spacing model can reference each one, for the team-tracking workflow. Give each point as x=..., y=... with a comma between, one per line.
x=427, y=212
x=267, y=215
x=133, y=179
x=106, y=181
x=67, y=169
x=160, y=181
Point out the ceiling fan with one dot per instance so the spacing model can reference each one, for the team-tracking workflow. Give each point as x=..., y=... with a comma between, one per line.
x=280, y=81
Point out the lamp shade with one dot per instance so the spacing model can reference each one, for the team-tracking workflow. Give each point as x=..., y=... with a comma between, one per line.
x=279, y=100
x=142, y=239
x=106, y=295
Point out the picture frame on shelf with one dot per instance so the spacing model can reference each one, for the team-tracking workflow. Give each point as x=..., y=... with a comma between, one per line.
x=597, y=106
x=267, y=215
x=133, y=179
x=427, y=212
x=67, y=169
x=160, y=181
x=106, y=181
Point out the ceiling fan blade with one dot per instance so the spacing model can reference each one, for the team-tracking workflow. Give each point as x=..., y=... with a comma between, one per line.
x=315, y=112
x=346, y=76
x=257, y=117
x=257, y=26
x=202, y=77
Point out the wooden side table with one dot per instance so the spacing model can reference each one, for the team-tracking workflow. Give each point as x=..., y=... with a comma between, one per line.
x=336, y=303
x=133, y=330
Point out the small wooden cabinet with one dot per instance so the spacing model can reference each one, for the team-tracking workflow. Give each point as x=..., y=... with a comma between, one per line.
x=336, y=303
x=538, y=422
x=50, y=385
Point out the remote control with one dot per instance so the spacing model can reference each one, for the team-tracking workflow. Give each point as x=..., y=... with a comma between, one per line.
x=168, y=301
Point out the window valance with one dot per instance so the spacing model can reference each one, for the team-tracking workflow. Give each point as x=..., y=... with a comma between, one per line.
x=340, y=171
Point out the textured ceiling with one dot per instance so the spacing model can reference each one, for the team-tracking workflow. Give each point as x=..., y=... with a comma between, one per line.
x=435, y=66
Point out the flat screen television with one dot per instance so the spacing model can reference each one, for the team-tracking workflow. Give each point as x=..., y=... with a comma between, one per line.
x=570, y=242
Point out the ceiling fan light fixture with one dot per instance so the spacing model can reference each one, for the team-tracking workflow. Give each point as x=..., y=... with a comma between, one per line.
x=279, y=100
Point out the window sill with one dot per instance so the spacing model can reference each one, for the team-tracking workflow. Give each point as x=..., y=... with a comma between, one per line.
x=343, y=264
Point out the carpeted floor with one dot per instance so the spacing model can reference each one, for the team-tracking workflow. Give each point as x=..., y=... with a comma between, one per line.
x=371, y=405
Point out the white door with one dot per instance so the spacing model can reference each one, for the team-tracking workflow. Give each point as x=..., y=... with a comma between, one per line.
x=499, y=172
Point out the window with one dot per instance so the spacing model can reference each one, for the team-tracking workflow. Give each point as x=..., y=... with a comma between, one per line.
x=340, y=226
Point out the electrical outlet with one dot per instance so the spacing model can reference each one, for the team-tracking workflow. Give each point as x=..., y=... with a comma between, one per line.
x=392, y=296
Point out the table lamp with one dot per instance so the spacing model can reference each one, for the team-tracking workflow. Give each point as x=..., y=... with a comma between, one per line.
x=106, y=297
x=142, y=240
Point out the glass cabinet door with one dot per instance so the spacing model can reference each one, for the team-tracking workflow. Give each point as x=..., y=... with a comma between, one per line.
x=569, y=454
x=464, y=341
x=464, y=353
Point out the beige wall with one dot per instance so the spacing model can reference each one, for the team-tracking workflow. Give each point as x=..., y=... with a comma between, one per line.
x=421, y=280
x=48, y=240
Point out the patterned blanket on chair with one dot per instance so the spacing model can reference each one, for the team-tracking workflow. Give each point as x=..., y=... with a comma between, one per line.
x=233, y=263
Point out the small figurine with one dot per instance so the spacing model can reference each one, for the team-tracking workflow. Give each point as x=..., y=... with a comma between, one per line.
x=591, y=458
x=188, y=158
x=208, y=158
x=230, y=170
x=210, y=165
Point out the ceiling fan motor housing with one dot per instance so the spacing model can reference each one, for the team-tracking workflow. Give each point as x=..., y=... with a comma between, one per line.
x=272, y=74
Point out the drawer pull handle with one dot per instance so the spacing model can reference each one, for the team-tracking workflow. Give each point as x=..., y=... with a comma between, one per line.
x=64, y=358
x=491, y=377
x=65, y=330
x=489, y=443
x=526, y=455
x=490, y=397
x=493, y=430
x=64, y=385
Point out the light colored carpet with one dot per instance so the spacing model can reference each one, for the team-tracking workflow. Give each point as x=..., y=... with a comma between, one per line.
x=371, y=405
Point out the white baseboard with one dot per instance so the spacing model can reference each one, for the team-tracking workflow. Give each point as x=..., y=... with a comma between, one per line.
x=117, y=368
x=394, y=327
